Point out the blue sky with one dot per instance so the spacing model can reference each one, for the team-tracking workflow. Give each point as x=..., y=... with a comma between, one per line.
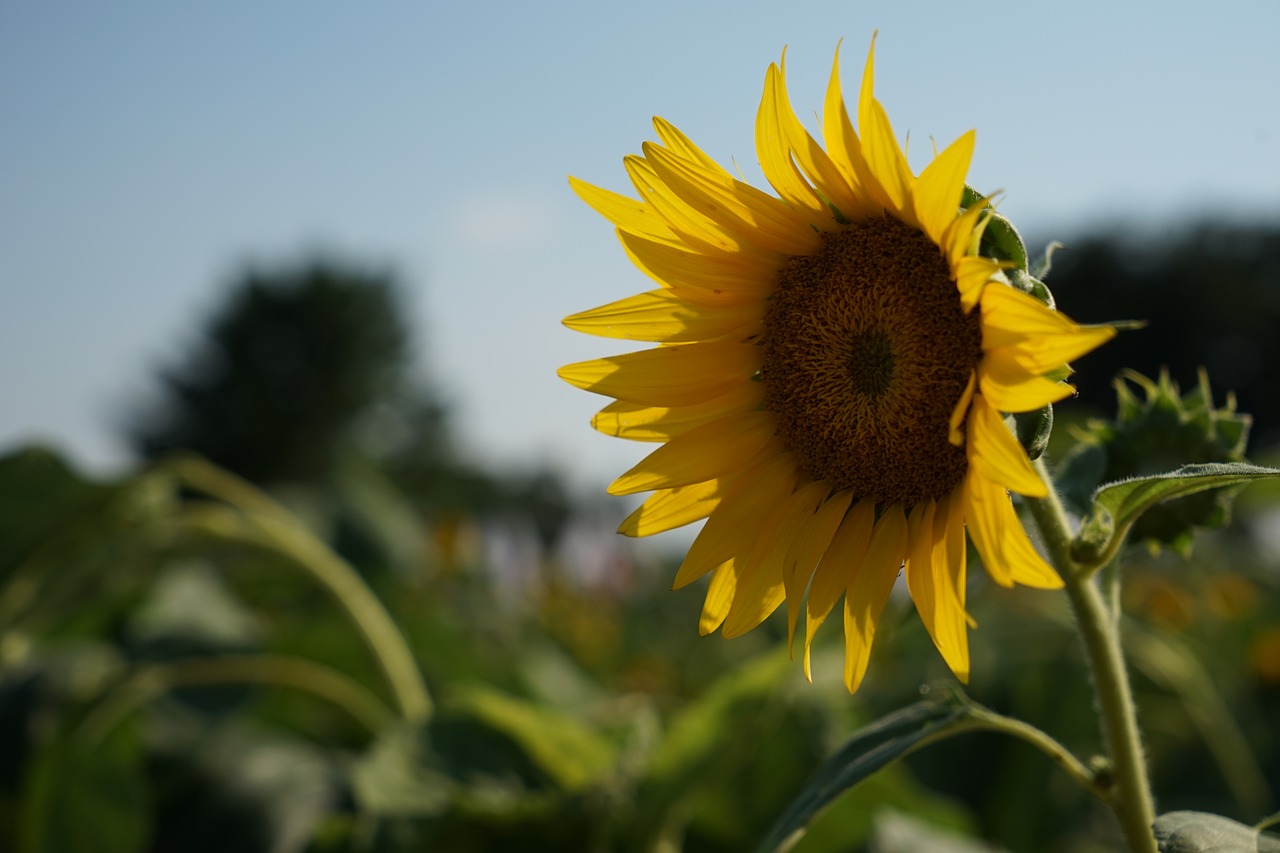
x=149, y=150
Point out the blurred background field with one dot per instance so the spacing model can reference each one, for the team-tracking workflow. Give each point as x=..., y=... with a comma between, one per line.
x=279, y=320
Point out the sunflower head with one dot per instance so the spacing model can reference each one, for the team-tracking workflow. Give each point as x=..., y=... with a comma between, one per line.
x=834, y=363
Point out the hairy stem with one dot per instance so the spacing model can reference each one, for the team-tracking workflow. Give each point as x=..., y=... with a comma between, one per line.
x=1130, y=794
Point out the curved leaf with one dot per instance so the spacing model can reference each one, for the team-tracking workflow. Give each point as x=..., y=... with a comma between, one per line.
x=1118, y=505
x=872, y=748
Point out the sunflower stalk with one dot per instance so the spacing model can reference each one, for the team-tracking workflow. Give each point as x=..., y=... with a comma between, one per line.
x=1130, y=793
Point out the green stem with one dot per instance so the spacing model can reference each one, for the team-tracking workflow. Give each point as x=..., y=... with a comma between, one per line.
x=983, y=719
x=1130, y=796
x=154, y=680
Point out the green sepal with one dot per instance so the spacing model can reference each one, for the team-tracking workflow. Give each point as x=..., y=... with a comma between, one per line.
x=1041, y=268
x=1000, y=240
x=1033, y=430
x=1031, y=285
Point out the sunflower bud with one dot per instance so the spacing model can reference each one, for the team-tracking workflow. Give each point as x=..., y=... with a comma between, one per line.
x=1153, y=433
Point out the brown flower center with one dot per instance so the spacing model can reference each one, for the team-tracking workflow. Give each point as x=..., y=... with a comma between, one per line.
x=866, y=353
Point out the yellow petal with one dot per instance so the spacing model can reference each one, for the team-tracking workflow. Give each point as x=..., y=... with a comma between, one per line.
x=846, y=552
x=888, y=163
x=719, y=598
x=869, y=590
x=919, y=570
x=755, y=217
x=761, y=584
x=845, y=149
x=995, y=452
x=938, y=192
x=822, y=172
x=693, y=228
x=879, y=147
x=698, y=277
x=961, y=411
x=716, y=449
x=807, y=549
x=949, y=556
x=775, y=157
x=972, y=275
x=682, y=145
x=678, y=375
x=662, y=316
x=935, y=580
x=1010, y=388
x=668, y=509
x=731, y=531
x=998, y=535
x=1037, y=337
x=959, y=240
x=635, y=422
x=629, y=214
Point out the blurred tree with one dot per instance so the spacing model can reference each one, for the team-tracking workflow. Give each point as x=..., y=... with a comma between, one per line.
x=305, y=366
x=287, y=370
x=1211, y=297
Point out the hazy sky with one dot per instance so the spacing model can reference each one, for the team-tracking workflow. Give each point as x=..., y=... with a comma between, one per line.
x=149, y=150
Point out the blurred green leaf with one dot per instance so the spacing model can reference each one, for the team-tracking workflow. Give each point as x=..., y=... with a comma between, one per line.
x=569, y=752
x=1118, y=505
x=702, y=730
x=82, y=797
x=1198, y=832
x=393, y=778
x=899, y=833
x=873, y=747
x=1167, y=661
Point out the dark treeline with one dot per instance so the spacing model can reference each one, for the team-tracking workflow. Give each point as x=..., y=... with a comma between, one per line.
x=1210, y=296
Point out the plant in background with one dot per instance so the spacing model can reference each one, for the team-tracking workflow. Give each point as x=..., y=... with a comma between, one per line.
x=833, y=389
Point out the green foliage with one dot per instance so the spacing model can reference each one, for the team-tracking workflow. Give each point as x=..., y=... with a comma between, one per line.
x=86, y=796
x=233, y=704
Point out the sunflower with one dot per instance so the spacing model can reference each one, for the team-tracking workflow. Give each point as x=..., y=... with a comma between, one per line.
x=832, y=369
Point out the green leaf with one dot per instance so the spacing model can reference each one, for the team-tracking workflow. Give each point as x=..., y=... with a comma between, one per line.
x=703, y=728
x=82, y=797
x=393, y=778
x=1118, y=505
x=900, y=833
x=872, y=748
x=568, y=751
x=1198, y=832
